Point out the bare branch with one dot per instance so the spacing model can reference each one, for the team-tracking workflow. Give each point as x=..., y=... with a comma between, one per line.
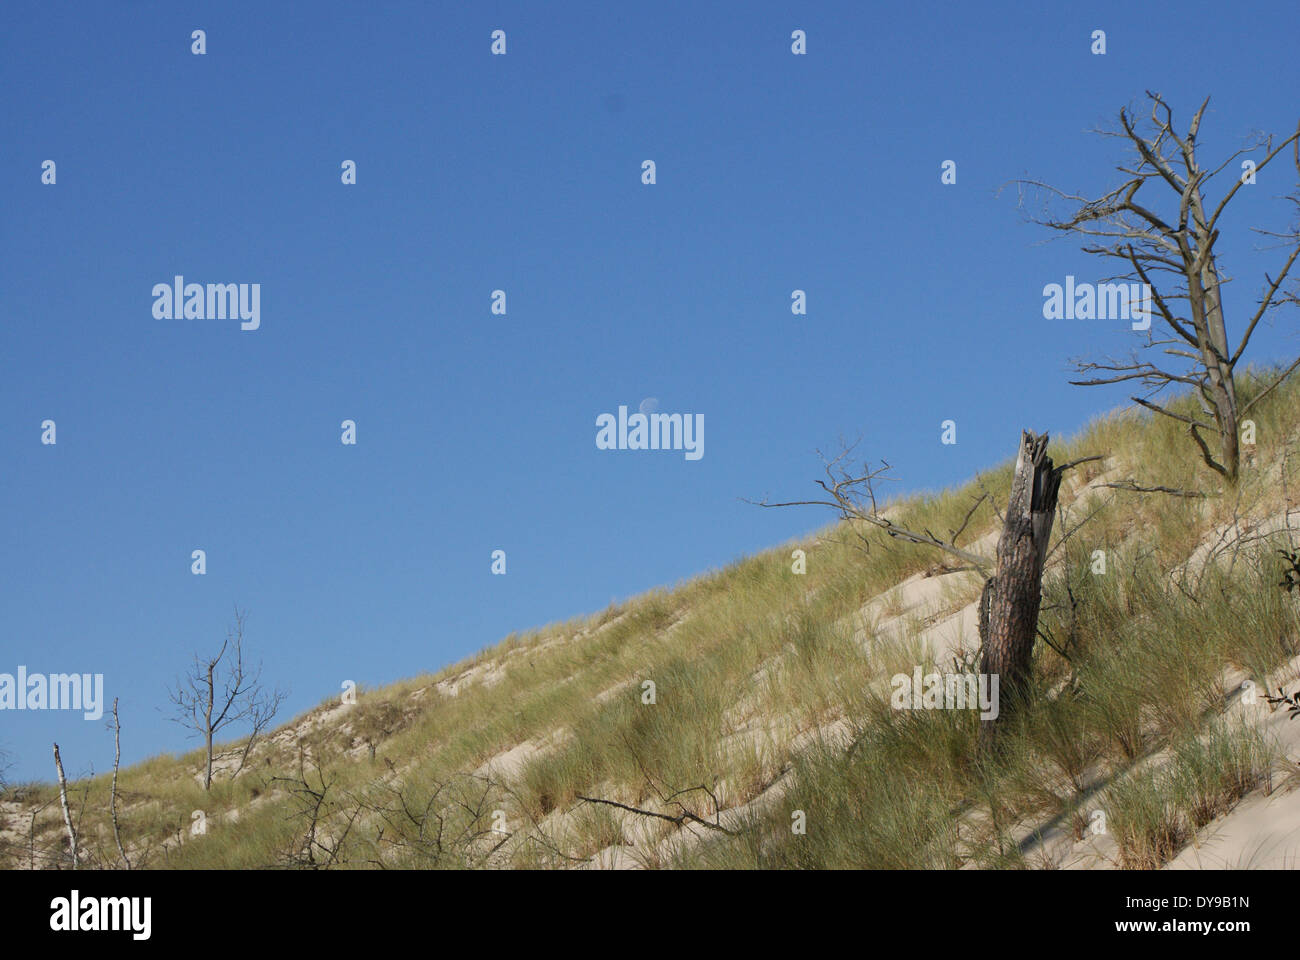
x=1132, y=485
x=954, y=534
x=1169, y=413
x=679, y=819
x=854, y=498
x=1271, y=387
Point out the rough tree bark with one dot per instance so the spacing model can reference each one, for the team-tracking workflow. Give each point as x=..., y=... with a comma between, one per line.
x=1008, y=622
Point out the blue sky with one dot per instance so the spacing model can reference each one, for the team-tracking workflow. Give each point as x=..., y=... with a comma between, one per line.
x=522, y=172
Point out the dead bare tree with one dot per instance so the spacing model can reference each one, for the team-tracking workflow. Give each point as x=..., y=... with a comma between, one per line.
x=63, y=800
x=221, y=691
x=1013, y=581
x=112, y=804
x=1172, y=251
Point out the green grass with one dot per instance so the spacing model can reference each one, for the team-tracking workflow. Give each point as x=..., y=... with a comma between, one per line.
x=772, y=688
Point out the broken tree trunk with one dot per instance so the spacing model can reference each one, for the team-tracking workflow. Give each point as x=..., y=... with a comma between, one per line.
x=1011, y=598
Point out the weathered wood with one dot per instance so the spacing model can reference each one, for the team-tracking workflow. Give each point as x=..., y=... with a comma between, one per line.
x=1009, y=604
x=63, y=800
x=117, y=761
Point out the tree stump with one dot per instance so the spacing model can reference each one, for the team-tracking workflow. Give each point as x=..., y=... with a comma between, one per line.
x=1008, y=622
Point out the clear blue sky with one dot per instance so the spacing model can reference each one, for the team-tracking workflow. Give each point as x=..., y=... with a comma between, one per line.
x=523, y=172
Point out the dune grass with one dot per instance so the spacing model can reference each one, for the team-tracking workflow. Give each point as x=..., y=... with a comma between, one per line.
x=766, y=693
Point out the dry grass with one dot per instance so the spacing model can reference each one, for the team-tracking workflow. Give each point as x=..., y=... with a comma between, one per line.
x=754, y=669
